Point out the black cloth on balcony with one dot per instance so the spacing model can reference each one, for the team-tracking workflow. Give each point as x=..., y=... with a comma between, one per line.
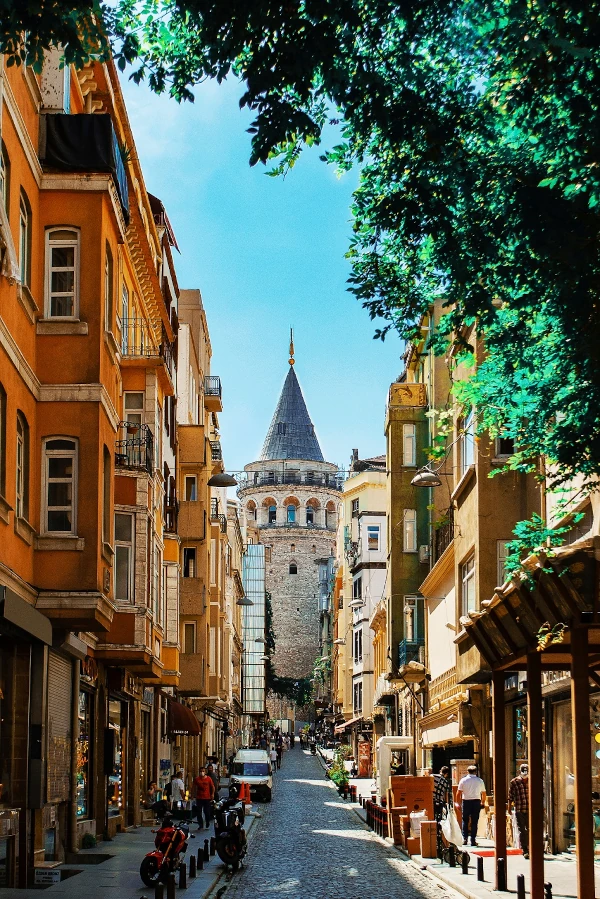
x=86, y=142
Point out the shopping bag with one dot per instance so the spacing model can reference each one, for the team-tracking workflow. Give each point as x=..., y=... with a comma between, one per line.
x=451, y=828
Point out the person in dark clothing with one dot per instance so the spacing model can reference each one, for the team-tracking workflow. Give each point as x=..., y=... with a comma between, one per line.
x=518, y=795
x=442, y=791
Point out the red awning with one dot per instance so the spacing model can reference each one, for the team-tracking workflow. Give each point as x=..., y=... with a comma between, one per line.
x=342, y=727
x=182, y=720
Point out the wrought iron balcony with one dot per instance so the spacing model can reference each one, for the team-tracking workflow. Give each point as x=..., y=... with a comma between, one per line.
x=443, y=535
x=134, y=449
x=216, y=453
x=223, y=523
x=214, y=509
x=411, y=651
x=137, y=338
x=332, y=480
x=212, y=393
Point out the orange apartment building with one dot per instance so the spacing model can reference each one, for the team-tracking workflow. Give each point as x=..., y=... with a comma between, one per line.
x=89, y=551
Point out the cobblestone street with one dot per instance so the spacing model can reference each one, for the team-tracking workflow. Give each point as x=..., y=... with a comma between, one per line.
x=310, y=844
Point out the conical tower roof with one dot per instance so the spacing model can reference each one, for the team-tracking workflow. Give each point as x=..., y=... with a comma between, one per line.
x=291, y=434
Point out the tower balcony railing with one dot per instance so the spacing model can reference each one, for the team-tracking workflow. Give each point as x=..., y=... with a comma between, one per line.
x=330, y=526
x=332, y=480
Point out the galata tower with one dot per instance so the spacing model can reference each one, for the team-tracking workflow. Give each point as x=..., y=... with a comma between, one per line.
x=293, y=495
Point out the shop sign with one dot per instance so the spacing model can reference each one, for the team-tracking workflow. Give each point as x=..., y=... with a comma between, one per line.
x=46, y=876
x=367, y=727
x=89, y=670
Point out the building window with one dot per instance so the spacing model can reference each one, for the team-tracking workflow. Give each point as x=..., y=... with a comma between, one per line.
x=354, y=508
x=409, y=444
x=60, y=488
x=467, y=576
x=357, y=697
x=502, y=553
x=293, y=568
x=272, y=514
x=268, y=553
x=4, y=177
x=291, y=514
x=157, y=604
x=292, y=547
x=310, y=515
x=413, y=619
x=25, y=239
x=133, y=404
x=189, y=638
x=2, y=441
x=191, y=488
x=504, y=446
x=124, y=320
x=124, y=556
x=358, y=645
x=22, y=473
x=373, y=537
x=410, y=530
x=109, y=289
x=281, y=428
x=357, y=589
x=62, y=273
x=189, y=561
x=251, y=511
x=330, y=516
x=467, y=442
x=313, y=548
x=106, y=507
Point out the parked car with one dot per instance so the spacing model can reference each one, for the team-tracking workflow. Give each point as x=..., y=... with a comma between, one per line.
x=253, y=766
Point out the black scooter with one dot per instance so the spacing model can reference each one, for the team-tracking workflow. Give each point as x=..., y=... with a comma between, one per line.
x=230, y=834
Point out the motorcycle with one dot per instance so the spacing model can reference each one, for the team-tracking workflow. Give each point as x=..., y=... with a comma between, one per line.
x=170, y=847
x=230, y=834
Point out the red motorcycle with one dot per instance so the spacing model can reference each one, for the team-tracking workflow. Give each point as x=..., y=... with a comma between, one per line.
x=171, y=845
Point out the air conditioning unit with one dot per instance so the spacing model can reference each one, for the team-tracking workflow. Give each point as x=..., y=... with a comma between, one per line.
x=424, y=553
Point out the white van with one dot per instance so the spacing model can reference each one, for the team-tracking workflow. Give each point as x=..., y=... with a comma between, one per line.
x=253, y=766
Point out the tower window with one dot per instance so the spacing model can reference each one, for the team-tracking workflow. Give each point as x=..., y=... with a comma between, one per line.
x=293, y=568
x=272, y=514
x=310, y=515
x=292, y=547
x=281, y=427
x=291, y=514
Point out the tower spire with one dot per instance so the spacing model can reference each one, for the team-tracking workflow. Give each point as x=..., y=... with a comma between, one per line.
x=291, y=359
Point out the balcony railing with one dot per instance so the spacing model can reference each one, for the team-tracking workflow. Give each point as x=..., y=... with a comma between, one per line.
x=212, y=385
x=134, y=449
x=444, y=534
x=297, y=524
x=216, y=453
x=137, y=338
x=214, y=509
x=411, y=651
x=331, y=480
x=223, y=523
x=171, y=511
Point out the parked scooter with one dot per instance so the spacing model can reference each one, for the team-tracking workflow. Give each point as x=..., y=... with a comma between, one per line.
x=230, y=834
x=171, y=845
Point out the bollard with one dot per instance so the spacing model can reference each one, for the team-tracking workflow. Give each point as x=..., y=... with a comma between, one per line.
x=547, y=891
x=501, y=875
x=465, y=862
x=171, y=886
x=192, y=866
x=452, y=856
x=182, y=876
x=206, y=852
x=520, y=886
x=480, y=868
x=213, y=845
x=200, y=859
x=159, y=891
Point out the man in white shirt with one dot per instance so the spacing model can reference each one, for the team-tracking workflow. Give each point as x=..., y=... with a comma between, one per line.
x=471, y=793
x=177, y=790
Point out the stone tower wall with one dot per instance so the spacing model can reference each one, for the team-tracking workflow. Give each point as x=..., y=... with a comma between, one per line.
x=295, y=597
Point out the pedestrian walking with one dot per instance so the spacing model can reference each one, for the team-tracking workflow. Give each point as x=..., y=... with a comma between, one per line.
x=518, y=795
x=177, y=791
x=205, y=791
x=442, y=791
x=210, y=770
x=273, y=757
x=279, y=753
x=471, y=796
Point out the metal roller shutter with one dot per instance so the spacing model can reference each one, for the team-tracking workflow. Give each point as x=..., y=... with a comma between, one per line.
x=60, y=691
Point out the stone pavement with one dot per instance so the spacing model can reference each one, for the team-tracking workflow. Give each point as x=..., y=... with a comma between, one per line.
x=310, y=844
x=119, y=877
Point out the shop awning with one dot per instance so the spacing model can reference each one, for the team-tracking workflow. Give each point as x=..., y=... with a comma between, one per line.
x=347, y=724
x=182, y=720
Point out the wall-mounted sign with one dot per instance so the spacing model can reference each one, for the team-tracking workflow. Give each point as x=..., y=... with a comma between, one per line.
x=46, y=876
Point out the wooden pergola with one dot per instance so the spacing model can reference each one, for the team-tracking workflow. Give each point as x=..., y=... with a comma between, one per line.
x=563, y=589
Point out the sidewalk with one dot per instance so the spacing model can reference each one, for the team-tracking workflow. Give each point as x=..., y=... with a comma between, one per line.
x=118, y=877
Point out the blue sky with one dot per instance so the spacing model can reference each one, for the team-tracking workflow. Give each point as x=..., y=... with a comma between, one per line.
x=267, y=254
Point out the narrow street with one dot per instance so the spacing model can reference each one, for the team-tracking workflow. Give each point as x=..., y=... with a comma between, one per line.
x=309, y=843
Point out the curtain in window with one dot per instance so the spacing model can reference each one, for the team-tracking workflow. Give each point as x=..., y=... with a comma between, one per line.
x=10, y=266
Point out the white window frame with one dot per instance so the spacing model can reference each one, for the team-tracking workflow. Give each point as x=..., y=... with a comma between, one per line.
x=467, y=442
x=109, y=287
x=21, y=467
x=24, y=239
x=134, y=415
x=75, y=243
x=409, y=445
x=191, y=625
x=374, y=533
x=358, y=645
x=468, y=584
x=501, y=555
x=409, y=531
x=411, y=623
x=48, y=454
x=157, y=604
x=357, y=696
x=193, y=479
x=130, y=546
x=4, y=176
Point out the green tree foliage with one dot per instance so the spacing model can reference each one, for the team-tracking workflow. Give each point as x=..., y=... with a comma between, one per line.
x=298, y=690
x=475, y=127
